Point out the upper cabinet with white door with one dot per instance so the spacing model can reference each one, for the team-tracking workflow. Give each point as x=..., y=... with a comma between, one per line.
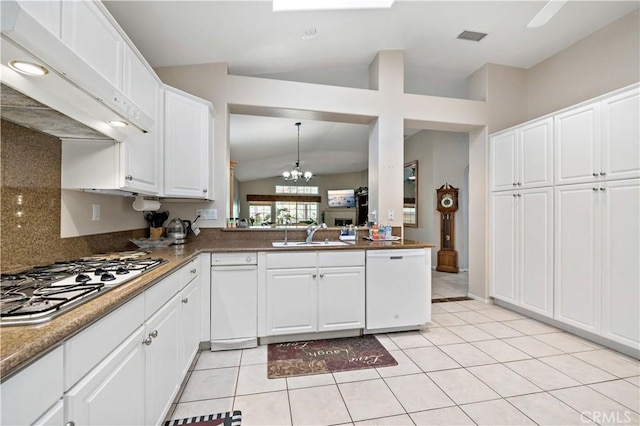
x=83, y=44
x=87, y=31
x=188, y=136
x=599, y=140
x=522, y=157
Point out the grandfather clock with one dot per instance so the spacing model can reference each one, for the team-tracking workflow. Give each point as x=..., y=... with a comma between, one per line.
x=447, y=204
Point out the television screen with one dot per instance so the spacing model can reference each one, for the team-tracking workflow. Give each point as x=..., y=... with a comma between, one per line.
x=341, y=198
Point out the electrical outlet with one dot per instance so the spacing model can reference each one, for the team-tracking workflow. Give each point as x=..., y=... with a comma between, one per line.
x=95, y=212
x=207, y=214
x=390, y=214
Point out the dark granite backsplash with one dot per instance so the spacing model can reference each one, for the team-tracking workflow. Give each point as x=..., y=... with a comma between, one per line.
x=30, y=167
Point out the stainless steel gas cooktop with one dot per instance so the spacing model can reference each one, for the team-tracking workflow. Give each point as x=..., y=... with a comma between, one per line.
x=44, y=292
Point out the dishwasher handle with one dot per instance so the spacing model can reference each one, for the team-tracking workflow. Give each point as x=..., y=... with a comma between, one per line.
x=234, y=268
x=395, y=257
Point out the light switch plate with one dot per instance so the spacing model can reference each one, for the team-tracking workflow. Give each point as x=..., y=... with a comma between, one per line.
x=95, y=212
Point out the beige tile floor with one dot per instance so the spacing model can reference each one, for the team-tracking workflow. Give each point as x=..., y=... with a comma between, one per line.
x=474, y=364
x=446, y=284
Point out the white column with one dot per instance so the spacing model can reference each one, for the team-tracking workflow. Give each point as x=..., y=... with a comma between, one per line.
x=386, y=140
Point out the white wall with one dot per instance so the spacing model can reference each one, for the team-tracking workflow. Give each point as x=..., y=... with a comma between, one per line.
x=116, y=214
x=604, y=61
x=442, y=157
x=389, y=104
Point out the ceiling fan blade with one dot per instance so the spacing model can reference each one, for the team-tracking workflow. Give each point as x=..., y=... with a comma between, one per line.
x=546, y=13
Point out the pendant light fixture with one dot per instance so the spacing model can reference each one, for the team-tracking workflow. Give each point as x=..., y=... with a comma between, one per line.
x=296, y=173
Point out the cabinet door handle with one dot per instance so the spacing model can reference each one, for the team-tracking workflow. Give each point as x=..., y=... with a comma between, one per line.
x=595, y=189
x=514, y=195
x=594, y=174
x=128, y=177
x=70, y=423
x=147, y=341
x=185, y=300
x=519, y=183
x=154, y=334
x=193, y=271
x=205, y=190
x=314, y=276
x=321, y=275
x=519, y=195
x=603, y=189
x=603, y=174
x=514, y=184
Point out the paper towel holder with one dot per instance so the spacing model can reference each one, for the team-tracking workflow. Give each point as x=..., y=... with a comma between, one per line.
x=146, y=204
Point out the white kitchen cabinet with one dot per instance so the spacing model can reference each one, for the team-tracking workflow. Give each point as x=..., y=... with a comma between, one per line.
x=140, y=162
x=47, y=13
x=118, y=381
x=325, y=291
x=26, y=397
x=189, y=325
x=292, y=301
x=55, y=416
x=188, y=133
x=523, y=157
x=131, y=166
x=140, y=84
x=599, y=141
x=89, y=34
x=522, y=248
x=620, y=265
x=578, y=245
x=341, y=293
x=503, y=242
x=621, y=136
x=162, y=354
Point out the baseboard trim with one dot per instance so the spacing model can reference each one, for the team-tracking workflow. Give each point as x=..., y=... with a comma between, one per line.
x=634, y=353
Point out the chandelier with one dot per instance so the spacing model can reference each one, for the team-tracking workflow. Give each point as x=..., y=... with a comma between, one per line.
x=296, y=173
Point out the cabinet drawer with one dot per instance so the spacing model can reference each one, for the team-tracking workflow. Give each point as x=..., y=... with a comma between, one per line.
x=160, y=293
x=341, y=258
x=87, y=349
x=26, y=396
x=189, y=272
x=291, y=260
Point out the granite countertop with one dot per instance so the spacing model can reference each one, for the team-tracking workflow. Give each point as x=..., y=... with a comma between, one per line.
x=21, y=345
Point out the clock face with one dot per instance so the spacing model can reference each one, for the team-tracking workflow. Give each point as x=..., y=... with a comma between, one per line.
x=446, y=201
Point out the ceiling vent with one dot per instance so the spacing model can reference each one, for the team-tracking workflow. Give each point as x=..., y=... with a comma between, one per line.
x=471, y=35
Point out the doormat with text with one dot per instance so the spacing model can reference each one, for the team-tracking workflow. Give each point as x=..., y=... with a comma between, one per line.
x=230, y=418
x=326, y=356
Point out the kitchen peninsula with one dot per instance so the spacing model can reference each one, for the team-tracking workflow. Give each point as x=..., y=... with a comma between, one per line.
x=115, y=323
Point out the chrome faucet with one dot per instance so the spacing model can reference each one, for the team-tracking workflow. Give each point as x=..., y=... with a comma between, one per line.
x=311, y=230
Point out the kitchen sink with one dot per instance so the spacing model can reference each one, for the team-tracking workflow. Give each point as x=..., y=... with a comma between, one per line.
x=325, y=243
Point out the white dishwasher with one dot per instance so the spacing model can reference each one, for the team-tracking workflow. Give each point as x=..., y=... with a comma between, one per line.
x=398, y=290
x=234, y=301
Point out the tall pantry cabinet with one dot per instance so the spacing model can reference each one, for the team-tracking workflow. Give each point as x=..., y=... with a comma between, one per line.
x=521, y=212
x=597, y=196
x=589, y=210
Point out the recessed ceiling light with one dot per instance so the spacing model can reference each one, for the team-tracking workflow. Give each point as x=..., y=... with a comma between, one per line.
x=310, y=34
x=28, y=68
x=117, y=123
x=299, y=5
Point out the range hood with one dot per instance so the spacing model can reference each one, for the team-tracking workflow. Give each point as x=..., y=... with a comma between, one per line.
x=22, y=110
x=71, y=87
